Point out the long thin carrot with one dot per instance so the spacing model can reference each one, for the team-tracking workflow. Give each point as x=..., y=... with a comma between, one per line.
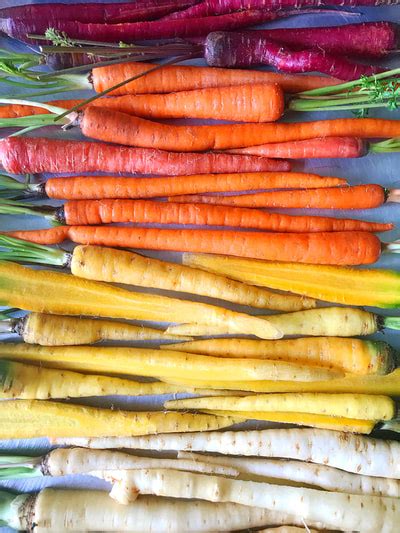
x=185, y=78
x=113, y=126
x=337, y=248
x=22, y=155
x=357, y=197
x=324, y=147
x=242, y=103
x=99, y=187
x=84, y=212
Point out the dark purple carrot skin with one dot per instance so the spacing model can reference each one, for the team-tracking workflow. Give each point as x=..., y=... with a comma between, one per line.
x=228, y=49
x=367, y=39
x=91, y=12
x=129, y=32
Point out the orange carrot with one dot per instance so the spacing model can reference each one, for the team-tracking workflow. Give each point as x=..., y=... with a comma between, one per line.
x=24, y=155
x=325, y=147
x=357, y=197
x=99, y=187
x=336, y=248
x=113, y=126
x=242, y=103
x=185, y=78
x=83, y=212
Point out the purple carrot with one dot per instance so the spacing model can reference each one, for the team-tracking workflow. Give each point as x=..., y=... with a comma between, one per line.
x=368, y=39
x=129, y=32
x=227, y=49
x=208, y=8
x=111, y=12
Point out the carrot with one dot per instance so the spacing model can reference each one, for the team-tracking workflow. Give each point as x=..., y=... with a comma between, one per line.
x=323, y=147
x=84, y=212
x=357, y=197
x=185, y=78
x=338, y=248
x=102, y=187
x=262, y=102
x=113, y=126
x=21, y=155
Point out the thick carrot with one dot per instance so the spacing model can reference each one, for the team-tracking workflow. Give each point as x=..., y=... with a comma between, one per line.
x=324, y=147
x=185, y=78
x=338, y=248
x=113, y=126
x=83, y=212
x=101, y=187
x=262, y=102
x=357, y=197
x=22, y=155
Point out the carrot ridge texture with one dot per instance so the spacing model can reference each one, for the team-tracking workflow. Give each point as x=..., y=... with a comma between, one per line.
x=21, y=155
x=121, y=128
x=185, y=78
x=336, y=248
x=83, y=212
x=102, y=187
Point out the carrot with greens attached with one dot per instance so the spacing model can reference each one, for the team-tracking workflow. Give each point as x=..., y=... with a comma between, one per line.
x=84, y=212
x=375, y=288
x=334, y=248
x=120, y=266
x=323, y=147
x=57, y=293
x=354, y=356
x=22, y=155
x=325, y=321
x=356, y=197
x=58, y=330
x=36, y=418
x=117, y=360
x=102, y=187
x=94, y=510
x=27, y=382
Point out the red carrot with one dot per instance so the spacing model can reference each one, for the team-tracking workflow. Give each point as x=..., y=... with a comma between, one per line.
x=357, y=197
x=84, y=212
x=228, y=49
x=99, y=187
x=336, y=248
x=22, y=155
x=325, y=147
x=129, y=32
x=116, y=127
x=366, y=39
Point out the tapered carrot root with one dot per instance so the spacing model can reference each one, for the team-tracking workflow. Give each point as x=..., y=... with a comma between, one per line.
x=22, y=155
x=183, y=78
x=101, y=187
x=116, y=127
x=343, y=248
x=325, y=147
x=83, y=212
x=350, y=355
x=357, y=197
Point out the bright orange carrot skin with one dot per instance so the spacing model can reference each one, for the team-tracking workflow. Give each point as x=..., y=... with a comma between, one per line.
x=325, y=147
x=116, y=127
x=241, y=103
x=82, y=212
x=99, y=187
x=357, y=197
x=23, y=155
x=337, y=248
x=185, y=78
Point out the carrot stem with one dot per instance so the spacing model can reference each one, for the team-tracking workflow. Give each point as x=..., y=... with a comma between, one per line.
x=12, y=249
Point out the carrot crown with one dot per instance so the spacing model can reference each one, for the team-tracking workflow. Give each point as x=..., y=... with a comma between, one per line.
x=17, y=466
x=11, y=207
x=11, y=505
x=12, y=188
x=12, y=249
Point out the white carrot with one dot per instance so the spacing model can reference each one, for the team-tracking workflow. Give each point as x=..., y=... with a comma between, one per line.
x=310, y=474
x=352, y=453
x=347, y=512
x=59, y=511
